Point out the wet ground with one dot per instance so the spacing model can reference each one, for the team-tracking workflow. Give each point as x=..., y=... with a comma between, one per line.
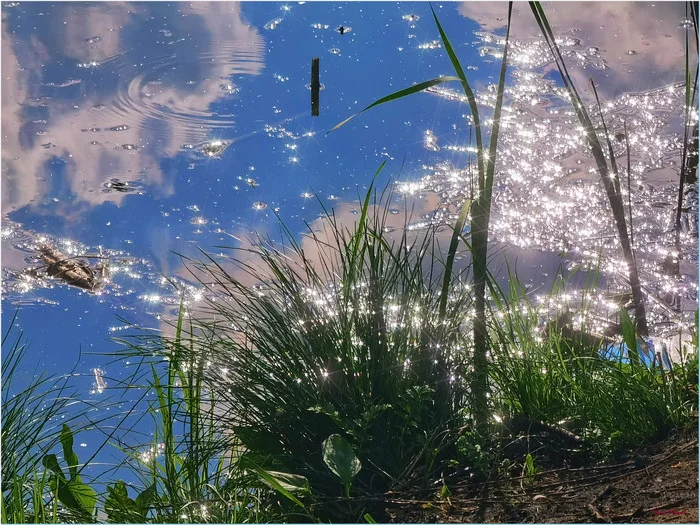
x=658, y=485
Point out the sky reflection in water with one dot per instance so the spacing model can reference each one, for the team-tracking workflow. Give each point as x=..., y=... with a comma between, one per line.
x=135, y=131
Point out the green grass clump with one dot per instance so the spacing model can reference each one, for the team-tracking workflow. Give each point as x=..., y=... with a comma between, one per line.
x=349, y=343
x=610, y=403
x=189, y=473
x=479, y=210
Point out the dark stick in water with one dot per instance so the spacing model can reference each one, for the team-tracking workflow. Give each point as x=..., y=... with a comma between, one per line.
x=315, y=87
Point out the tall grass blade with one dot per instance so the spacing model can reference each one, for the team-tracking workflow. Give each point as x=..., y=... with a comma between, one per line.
x=29, y=429
x=629, y=182
x=629, y=336
x=470, y=97
x=481, y=214
x=610, y=183
x=688, y=161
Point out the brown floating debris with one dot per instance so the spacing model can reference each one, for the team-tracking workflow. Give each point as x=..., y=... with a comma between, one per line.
x=315, y=86
x=73, y=271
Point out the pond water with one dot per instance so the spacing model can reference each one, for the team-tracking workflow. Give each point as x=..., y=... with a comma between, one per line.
x=136, y=132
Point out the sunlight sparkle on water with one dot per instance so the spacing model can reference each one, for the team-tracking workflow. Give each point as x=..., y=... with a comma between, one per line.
x=100, y=384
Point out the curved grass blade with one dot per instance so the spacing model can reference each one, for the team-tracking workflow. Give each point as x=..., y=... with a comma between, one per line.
x=279, y=481
x=399, y=94
x=468, y=92
x=611, y=187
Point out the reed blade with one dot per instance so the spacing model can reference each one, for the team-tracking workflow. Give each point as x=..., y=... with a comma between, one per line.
x=611, y=187
x=397, y=95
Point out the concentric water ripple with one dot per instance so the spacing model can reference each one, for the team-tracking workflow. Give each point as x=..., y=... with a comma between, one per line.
x=178, y=91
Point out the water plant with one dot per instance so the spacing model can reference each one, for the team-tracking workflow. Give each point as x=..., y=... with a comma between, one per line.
x=479, y=210
x=579, y=392
x=345, y=344
x=341, y=459
x=78, y=497
x=190, y=472
x=29, y=430
x=608, y=175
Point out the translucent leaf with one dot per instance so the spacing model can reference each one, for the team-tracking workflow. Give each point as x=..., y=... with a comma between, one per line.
x=340, y=458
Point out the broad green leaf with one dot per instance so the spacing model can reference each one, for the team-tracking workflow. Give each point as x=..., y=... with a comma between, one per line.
x=118, y=490
x=68, y=454
x=291, y=482
x=341, y=459
x=119, y=506
x=445, y=492
x=50, y=461
x=147, y=498
x=77, y=496
x=529, y=466
x=399, y=94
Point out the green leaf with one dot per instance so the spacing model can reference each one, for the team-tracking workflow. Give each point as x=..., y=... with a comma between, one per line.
x=118, y=491
x=68, y=454
x=119, y=506
x=147, y=498
x=50, y=461
x=272, y=480
x=77, y=496
x=445, y=492
x=291, y=482
x=369, y=518
x=399, y=94
x=530, y=466
x=471, y=99
x=341, y=459
x=628, y=333
x=73, y=493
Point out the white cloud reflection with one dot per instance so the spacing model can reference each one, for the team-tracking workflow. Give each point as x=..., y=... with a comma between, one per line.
x=38, y=129
x=650, y=32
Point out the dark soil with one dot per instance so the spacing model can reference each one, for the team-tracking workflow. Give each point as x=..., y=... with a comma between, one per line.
x=659, y=484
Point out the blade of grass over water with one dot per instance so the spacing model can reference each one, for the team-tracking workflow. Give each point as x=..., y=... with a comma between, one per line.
x=471, y=99
x=481, y=215
x=480, y=212
x=690, y=92
x=422, y=86
x=610, y=182
x=29, y=427
x=629, y=182
x=192, y=470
